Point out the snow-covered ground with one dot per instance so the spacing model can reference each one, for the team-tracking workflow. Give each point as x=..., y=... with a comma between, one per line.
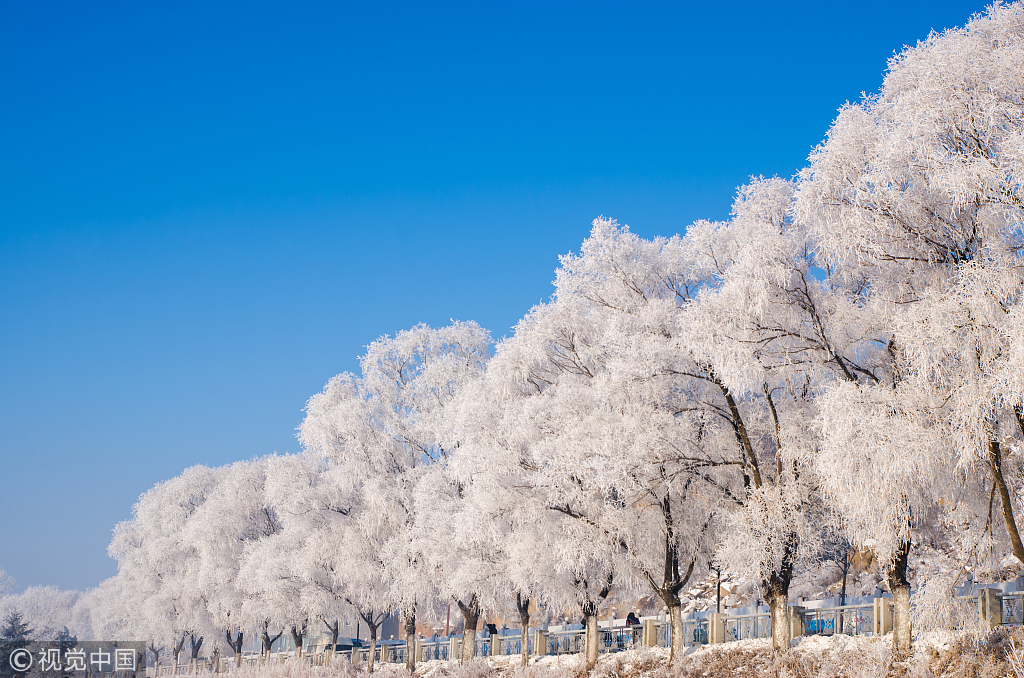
x=937, y=655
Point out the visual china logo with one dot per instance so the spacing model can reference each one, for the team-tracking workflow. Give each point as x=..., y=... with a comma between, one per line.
x=90, y=658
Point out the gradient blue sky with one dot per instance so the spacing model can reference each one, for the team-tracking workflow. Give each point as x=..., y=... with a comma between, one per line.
x=209, y=209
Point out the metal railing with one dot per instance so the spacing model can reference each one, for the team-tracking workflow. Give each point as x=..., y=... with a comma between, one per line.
x=850, y=620
x=1013, y=608
x=617, y=639
x=435, y=649
x=566, y=642
x=200, y=666
x=609, y=640
x=318, y=659
x=853, y=620
x=695, y=632
x=383, y=654
x=511, y=645
x=748, y=627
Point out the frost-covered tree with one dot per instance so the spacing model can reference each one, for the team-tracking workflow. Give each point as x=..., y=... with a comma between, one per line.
x=591, y=410
x=667, y=389
x=159, y=569
x=109, y=610
x=322, y=504
x=773, y=330
x=386, y=427
x=512, y=547
x=520, y=452
x=235, y=516
x=274, y=590
x=917, y=194
x=459, y=547
x=14, y=635
x=46, y=609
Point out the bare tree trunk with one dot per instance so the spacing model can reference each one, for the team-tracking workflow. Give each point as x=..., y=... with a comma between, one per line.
x=900, y=588
x=846, y=572
x=268, y=642
x=672, y=582
x=156, y=655
x=901, y=621
x=334, y=630
x=194, y=646
x=669, y=594
x=590, y=606
x=995, y=464
x=410, y=640
x=297, y=636
x=373, y=647
x=373, y=621
x=591, y=647
x=677, y=644
x=235, y=645
x=842, y=592
x=775, y=591
x=778, y=612
x=471, y=615
x=523, y=605
x=177, y=652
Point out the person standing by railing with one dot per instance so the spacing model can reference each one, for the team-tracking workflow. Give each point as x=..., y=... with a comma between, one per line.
x=633, y=628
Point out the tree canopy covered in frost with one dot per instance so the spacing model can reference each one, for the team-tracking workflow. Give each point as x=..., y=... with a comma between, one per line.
x=843, y=356
x=916, y=198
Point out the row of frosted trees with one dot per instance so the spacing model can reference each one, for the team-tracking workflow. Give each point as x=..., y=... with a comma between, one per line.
x=844, y=354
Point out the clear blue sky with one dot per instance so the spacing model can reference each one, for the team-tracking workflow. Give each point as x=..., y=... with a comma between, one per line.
x=209, y=209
